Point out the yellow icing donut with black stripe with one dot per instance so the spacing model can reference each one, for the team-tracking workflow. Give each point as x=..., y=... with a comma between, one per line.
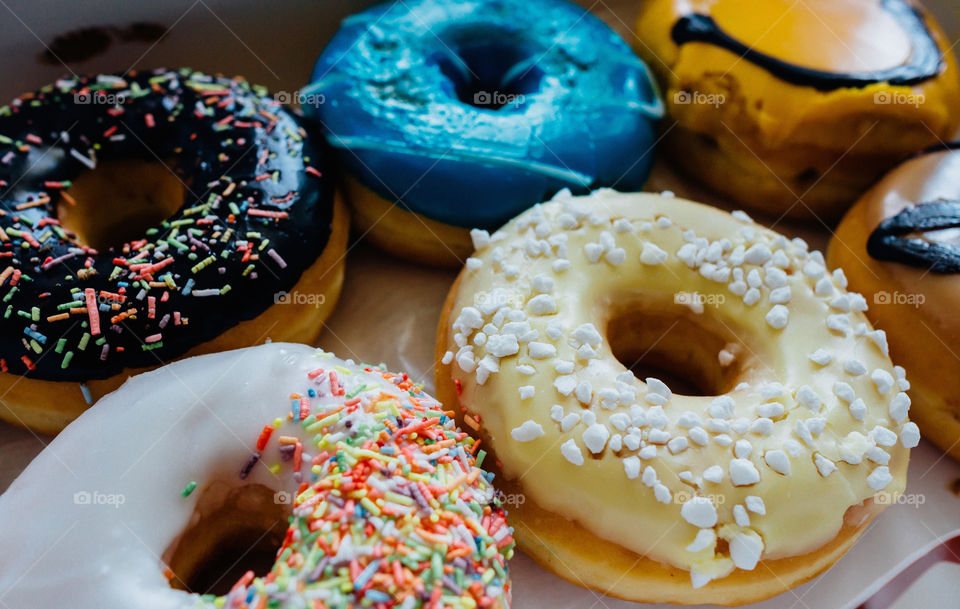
x=752, y=481
x=795, y=108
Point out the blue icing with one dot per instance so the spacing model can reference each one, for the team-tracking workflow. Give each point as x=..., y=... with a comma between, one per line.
x=407, y=90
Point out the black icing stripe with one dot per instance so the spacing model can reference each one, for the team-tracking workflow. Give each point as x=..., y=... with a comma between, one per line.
x=925, y=60
x=886, y=242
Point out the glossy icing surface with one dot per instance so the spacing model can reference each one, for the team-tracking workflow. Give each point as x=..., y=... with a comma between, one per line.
x=256, y=213
x=930, y=177
x=387, y=490
x=411, y=93
x=894, y=238
x=828, y=46
x=714, y=92
x=815, y=421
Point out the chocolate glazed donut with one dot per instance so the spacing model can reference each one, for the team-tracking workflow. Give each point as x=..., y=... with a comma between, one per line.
x=256, y=214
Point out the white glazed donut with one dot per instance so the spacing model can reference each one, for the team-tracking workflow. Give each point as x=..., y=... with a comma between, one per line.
x=631, y=488
x=389, y=508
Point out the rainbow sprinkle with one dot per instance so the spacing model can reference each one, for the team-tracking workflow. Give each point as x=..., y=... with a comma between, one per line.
x=392, y=509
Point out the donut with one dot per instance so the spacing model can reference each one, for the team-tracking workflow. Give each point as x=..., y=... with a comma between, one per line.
x=796, y=109
x=180, y=472
x=149, y=216
x=750, y=457
x=898, y=245
x=449, y=115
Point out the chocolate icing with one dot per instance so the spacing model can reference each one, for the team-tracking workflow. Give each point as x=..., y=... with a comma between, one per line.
x=887, y=241
x=924, y=63
x=257, y=214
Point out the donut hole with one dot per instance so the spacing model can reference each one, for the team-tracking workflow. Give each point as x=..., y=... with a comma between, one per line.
x=119, y=200
x=681, y=348
x=232, y=531
x=488, y=73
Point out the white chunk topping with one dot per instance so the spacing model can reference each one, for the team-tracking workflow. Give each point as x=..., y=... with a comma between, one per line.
x=571, y=452
x=528, y=431
x=778, y=316
x=700, y=512
x=743, y=472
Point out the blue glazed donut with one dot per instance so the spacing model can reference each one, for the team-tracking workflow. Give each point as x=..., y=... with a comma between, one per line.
x=469, y=111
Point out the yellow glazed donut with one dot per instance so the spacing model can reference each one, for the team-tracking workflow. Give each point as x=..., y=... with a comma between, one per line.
x=775, y=102
x=758, y=477
x=896, y=245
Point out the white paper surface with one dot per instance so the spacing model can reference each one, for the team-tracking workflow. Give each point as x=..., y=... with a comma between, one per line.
x=389, y=308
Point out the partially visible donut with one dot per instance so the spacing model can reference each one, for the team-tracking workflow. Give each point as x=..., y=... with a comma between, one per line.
x=796, y=108
x=454, y=114
x=148, y=216
x=756, y=481
x=898, y=245
x=386, y=502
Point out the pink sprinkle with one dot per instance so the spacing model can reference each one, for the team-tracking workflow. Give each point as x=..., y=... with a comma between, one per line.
x=266, y=213
x=304, y=407
x=153, y=338
x=92, y=312
x=315, y=373
x=152, y=307
x=276, y=258
x=335, y=387
x=176, y=318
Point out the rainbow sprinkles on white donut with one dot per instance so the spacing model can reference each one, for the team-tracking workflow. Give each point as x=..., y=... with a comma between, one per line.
x=382, y=502
x=805, y=416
